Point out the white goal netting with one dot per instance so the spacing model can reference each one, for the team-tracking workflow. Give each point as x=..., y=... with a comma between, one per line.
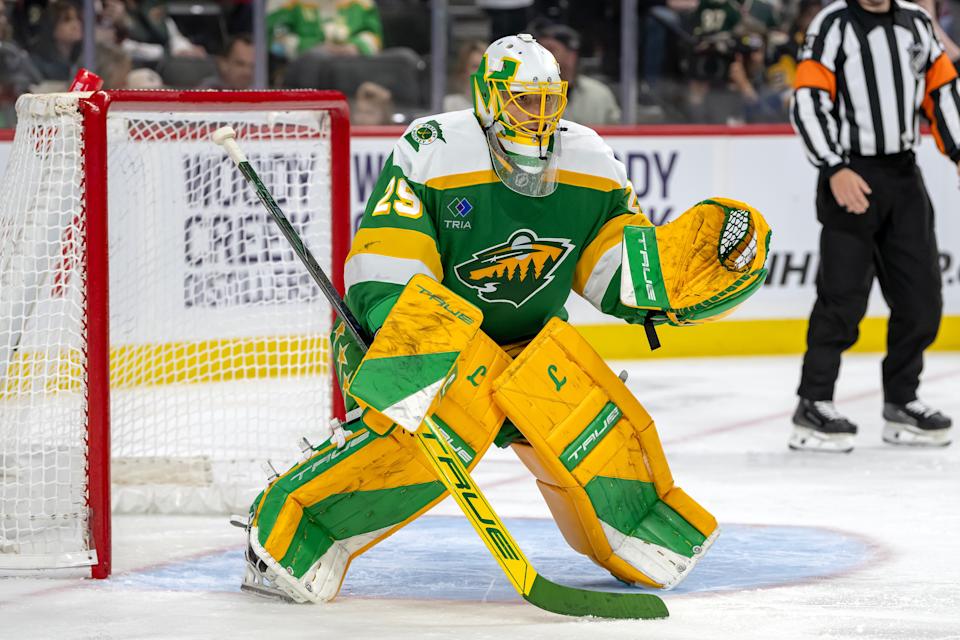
x=218, y=347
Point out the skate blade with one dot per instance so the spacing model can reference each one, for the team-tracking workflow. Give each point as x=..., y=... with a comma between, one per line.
x=805, y=439
x=267, y=592
x=907, y=435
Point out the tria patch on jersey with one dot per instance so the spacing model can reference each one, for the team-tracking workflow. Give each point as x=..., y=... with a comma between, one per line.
x=460, y=208
x=514, y=271
x=425, y=133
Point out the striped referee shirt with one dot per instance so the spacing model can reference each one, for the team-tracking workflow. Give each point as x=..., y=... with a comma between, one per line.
x=863, y=80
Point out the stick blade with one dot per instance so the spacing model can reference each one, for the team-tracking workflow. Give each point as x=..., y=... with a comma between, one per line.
x=570, y=601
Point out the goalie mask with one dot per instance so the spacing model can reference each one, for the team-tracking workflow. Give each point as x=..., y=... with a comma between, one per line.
x=518, y=98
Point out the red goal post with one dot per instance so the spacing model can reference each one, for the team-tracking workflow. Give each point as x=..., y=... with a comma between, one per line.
x=218, y=355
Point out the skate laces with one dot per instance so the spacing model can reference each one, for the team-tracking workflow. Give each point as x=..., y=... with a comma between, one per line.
x=827, y=410
x=917, y=406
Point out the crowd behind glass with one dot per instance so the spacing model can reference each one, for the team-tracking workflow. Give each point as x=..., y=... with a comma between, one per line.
x=699, y=61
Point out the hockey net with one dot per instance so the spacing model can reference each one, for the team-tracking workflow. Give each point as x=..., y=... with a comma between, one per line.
x=218, y=351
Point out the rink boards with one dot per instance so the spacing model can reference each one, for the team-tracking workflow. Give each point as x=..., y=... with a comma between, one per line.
x=674, y=167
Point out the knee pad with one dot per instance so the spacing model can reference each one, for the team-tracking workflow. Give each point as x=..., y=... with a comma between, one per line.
x=598, y=462
x=313, y=520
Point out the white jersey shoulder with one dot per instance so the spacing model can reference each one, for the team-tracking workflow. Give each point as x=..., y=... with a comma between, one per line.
x=453, y=143
x=584, y=152
x=442, y=145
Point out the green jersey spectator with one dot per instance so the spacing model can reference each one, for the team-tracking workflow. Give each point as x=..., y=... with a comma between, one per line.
x=717, y=16
x=339, y=27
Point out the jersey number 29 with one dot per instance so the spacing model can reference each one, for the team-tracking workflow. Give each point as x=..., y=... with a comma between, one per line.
x=401, y=198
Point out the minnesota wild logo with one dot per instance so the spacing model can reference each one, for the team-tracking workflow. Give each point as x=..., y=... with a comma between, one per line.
x=425, y=133
x=515, y=270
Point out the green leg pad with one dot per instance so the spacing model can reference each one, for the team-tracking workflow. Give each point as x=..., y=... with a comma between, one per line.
x=633, y=508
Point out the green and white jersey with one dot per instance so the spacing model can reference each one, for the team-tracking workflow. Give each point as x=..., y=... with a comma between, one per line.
x=313, y=22
x=439, y=209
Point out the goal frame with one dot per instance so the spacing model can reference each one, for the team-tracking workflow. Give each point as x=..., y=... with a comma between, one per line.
x=94, y=110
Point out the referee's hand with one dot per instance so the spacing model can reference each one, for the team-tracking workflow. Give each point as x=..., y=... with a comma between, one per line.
x=850, y=191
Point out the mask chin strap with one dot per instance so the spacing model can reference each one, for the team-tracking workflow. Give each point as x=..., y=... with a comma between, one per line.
x=543, y=153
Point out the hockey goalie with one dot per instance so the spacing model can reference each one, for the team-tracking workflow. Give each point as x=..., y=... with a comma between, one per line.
x=508, y=208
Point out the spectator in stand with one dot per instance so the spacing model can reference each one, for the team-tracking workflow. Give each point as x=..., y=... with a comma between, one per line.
x=664, y=29
x=335, y=27
x=144, y=79
x=17, y=72
x=234, y=67
x=718, y=16
x=507, y=17
x=589, y=101
x=145, y=31
x=25, y=18
x=729, y=84
x=468, y=61
x=786, y=55
x=113, y=65
x=373, y=105
x=238, y=15
x=57, y=49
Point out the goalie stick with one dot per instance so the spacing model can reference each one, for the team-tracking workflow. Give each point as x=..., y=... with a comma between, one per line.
x=533, y=587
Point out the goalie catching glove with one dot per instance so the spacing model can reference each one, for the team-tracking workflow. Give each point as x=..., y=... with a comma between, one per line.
x=697, y=268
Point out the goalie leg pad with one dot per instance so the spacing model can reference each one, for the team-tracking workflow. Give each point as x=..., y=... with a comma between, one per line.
x=312, y=521
x=599, y=464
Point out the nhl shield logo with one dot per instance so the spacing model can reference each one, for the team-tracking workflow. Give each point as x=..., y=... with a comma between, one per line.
x=918, y=59
x=514, y=271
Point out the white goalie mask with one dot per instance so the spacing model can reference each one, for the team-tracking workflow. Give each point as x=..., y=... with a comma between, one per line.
x=518, y=99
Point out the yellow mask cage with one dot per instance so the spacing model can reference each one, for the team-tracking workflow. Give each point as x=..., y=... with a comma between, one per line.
x=530, y=109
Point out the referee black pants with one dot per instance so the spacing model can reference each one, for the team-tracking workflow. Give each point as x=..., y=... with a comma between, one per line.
x=894, y=241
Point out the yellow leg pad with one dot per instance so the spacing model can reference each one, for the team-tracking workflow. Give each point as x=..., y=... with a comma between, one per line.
x=599, y=463
x=341, y=502
x=415, y=352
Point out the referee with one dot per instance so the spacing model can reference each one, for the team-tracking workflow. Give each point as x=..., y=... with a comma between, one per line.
x=867, y=70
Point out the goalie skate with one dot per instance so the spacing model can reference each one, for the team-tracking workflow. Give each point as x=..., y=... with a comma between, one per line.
x=255, y=578
x=818, y=426
x=264, y=576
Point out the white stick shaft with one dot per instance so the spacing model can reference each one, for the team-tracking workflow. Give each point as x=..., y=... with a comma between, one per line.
x=226, y=138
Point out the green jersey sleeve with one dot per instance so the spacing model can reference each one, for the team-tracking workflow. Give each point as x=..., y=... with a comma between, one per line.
x=597, y=276
x=396, y=240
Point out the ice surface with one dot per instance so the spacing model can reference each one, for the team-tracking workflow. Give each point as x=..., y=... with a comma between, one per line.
x=813, y=545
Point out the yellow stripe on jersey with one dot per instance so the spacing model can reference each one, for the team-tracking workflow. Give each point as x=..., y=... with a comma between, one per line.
x=392, y=242
x=591, y=263
x=460, y=180
x=587, y=181
x=487, y=176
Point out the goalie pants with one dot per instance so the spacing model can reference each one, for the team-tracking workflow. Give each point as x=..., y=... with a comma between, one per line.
x=893, y=241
